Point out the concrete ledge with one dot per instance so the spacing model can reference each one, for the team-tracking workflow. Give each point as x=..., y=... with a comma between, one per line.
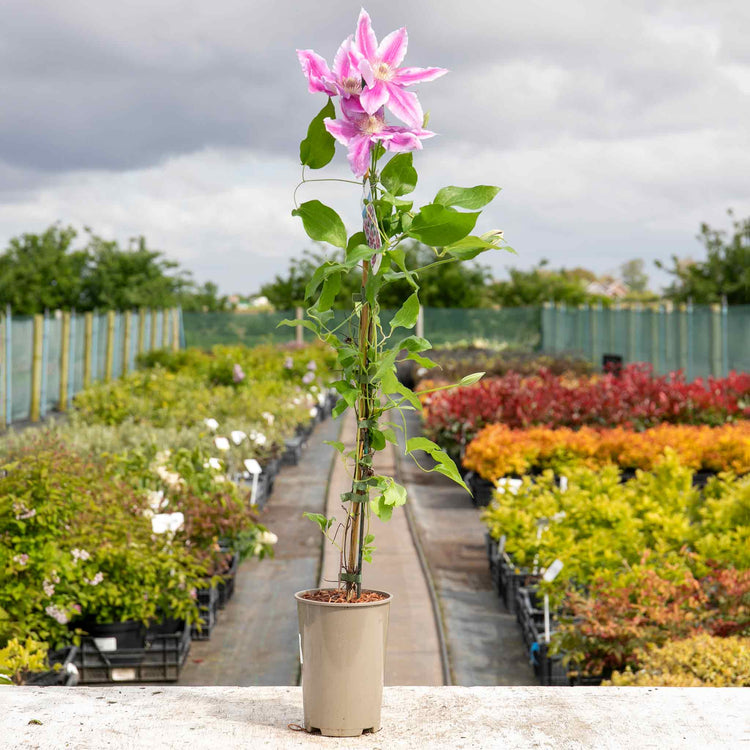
x=413, y=717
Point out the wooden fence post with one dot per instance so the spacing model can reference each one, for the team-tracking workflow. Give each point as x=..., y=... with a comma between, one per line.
x=154, y=332
x=298, y=335
x=64, y=361
x=126, y=342
x=3, y=374
x=110, y=347
x=88, y=341
x=717, y=341
x=141, y=330
x=164, y=329
x=36, y=368
x=176, y=329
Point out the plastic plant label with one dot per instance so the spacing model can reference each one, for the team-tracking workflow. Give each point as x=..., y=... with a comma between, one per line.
x=123, y=674
x=553, y=571
x=501, y=545
x=252, y=466
x=106, y=644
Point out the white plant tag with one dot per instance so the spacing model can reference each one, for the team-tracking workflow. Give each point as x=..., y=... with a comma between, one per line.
x=123, y=674
x=106, y=644
x=553, y=571
x=252, y=466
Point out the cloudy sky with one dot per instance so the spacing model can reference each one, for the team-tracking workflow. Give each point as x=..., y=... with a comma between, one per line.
x=614, y=128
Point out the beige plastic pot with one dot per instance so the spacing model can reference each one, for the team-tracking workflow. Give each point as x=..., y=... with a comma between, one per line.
x=342, y=650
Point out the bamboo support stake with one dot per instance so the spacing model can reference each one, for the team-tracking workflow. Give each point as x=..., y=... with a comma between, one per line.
x=110, y=347
x=64, y=361
x=36, y=368
x=88, y=339
x=126, y=342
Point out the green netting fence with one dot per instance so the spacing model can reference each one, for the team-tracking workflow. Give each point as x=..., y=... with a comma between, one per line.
x=700, y=340
x=517, y=328
x=46, y=359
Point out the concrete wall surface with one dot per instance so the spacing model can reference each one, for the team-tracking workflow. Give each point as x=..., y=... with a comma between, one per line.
x=413, y=717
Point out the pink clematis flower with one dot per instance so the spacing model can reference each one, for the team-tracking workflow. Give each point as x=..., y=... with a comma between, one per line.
x=343, y=79
x=385, y=80
x=358, y=130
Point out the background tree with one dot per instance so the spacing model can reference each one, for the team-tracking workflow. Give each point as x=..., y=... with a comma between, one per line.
x=725, y=272
x=633, y=275
x=540, y=284
x=44, y=272
x=40, y=271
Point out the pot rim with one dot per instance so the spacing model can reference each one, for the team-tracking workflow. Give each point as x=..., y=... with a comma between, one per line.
x=343, y=605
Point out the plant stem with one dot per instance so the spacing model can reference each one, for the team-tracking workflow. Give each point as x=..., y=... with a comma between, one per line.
x=363, y=465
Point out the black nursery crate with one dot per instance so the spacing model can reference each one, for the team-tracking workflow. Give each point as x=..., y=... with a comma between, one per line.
x=160, y=660
x=549, y=668
x=482, y=490
x=66, y=676
x=225, y=588
x=292, y=450
x=510, y=580
x=208, y=607
x=271, y=470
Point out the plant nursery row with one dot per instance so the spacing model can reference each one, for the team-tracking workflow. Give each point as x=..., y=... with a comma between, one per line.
x=123, y=526
x=619, y=519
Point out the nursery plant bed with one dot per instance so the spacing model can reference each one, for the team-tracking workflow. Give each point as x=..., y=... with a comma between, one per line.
x=160, y=660
x=208, y=606
x=66, y=676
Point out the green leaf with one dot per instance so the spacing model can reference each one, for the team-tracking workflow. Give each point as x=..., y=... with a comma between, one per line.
x=358, y=253
x=414, y=344
x=331, y=287
x=439, y=226
x=358, y=238
x=475, y=377
x=318, y=148
x=444, y=463
x=471, y=198
x=319, y=275
x=340, y=408
x=321, y=520
x=399, y=176
x=377, y=440
x=322, y=223
x=393, y=496
x=337, y=444
x=469, y=247
x=407, y=315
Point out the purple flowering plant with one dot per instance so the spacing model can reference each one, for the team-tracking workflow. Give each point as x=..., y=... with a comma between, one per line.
x=370, y=84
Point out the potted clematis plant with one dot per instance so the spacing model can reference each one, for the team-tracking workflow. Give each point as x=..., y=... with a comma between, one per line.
x=344, y=629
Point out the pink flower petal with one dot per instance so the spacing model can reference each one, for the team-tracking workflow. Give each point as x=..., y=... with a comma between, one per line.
x=342, y=130
x=408, y=76
x=346, y=69
x=364, y=38
x=372, y=99
x=404, y=104
x=406, y=140
x=319, y=78
x=392, y=49
x=359, y=155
